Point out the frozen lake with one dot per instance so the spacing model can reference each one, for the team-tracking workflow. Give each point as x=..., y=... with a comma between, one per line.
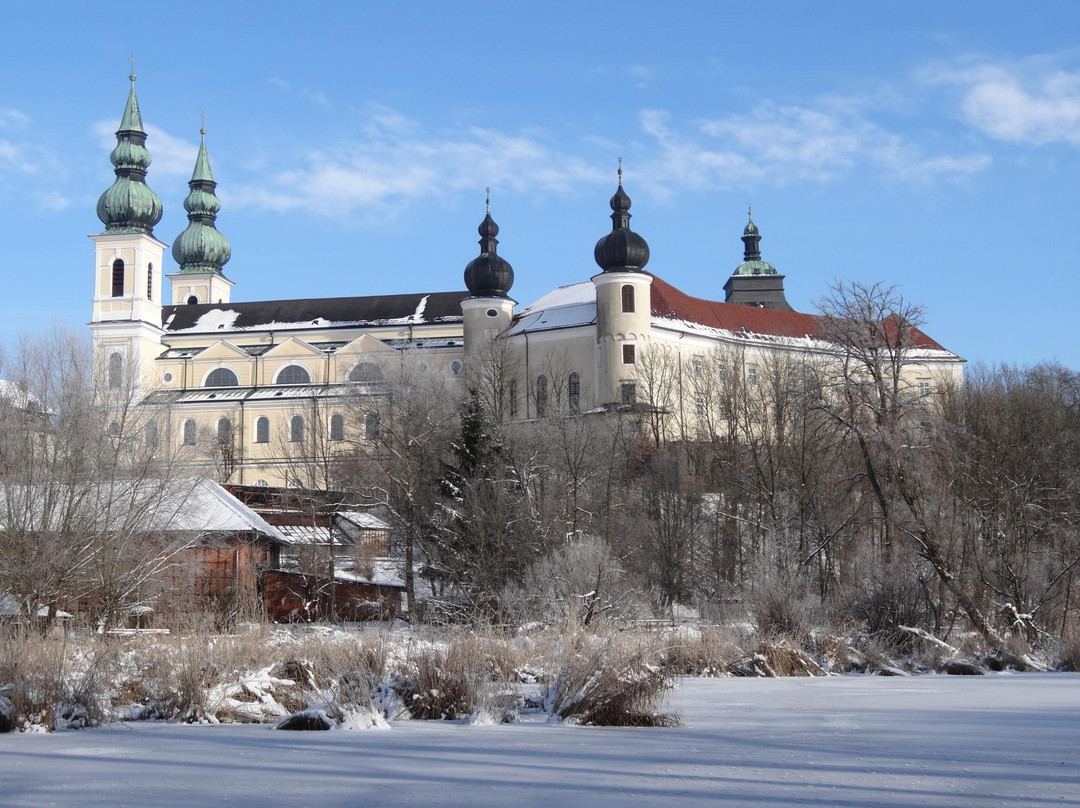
x=995, y=740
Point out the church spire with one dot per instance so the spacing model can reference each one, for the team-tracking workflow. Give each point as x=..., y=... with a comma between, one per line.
x=621, y=250
x=751, y=238
x=489, y=274
x=129, y=206
x=201, y=247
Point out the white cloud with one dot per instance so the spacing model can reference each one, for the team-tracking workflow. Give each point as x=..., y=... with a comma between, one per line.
x=394, y=166
x=786, y=143
x=17, y=157
x=52, y=200
x=1028, y=102
x=13, y=119
x=171, y=156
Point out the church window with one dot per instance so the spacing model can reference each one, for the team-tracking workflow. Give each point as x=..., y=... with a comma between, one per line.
x=628, y=354
x=262, y=430
x=116, y=371
x=628, y=298
x=365, y=372
x=294, y=374
x=513, y=398
x=371, y=425
x=296, y=429
x=192, y=300
x=699, y=366
x=751, y=375
x=337, y=427
x=224, y=431
x=149, y=281
x=629, y=392
x=924, y=387
x=700, y=406
x=222, y=377
x=118, y=278
x=541, y=396
x=150, y=434
x=189, y=432
x=573, y=393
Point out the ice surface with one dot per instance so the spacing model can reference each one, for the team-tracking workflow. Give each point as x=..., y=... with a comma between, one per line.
x=997, y=740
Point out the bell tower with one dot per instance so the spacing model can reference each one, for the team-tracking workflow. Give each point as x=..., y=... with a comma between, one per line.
x=126, y=323
x=623, y=304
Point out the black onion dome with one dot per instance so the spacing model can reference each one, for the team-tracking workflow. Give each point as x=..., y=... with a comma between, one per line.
x=489, y=274
x=621, y=250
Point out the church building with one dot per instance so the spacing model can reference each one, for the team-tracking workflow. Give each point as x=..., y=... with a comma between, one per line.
x=267, y=378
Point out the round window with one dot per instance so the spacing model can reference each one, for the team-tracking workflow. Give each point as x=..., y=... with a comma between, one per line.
x=168, y=377
x=492, y=313
x=456, y=366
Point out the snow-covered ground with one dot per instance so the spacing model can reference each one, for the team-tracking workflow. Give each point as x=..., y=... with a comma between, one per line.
x=998, y=740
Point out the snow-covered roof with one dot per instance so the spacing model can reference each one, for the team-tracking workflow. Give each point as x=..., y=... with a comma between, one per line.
x=365, y=520
x=193, y=504
x=565, y=307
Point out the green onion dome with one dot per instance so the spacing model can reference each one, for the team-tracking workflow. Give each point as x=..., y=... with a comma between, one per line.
x=129, y=205
x=201, y=247
x=752, y=263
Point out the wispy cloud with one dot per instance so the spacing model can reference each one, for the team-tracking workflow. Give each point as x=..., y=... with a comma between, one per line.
x=172, y=156
x=781, y=144
x=395, y=160
x=395, y=165
x=1029, y=102
x=52, y=201
x=13, y=119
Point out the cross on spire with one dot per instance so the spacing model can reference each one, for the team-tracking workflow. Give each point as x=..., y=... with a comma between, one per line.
x=202, y=130
x=132, y=76
x=620, y=172
x=487, y=201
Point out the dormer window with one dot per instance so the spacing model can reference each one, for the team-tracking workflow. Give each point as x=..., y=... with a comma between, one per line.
x=221, y=377
x=192, y=300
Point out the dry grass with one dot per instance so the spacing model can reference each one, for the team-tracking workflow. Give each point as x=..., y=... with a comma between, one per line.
x=617, y=680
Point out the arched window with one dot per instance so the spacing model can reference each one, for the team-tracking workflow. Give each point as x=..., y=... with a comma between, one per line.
x=337, y=427
x=116, y=371
x=189, y=432
x=224, y=431
x=114, y=429
x=262, y=430
x=371, y=425
x=296, y=429
x=513, y=398
x=541, y=396
x=294, y=374
x=573, y=393
x=192, y=300
x=365, y=372
x=150, y=434
x=627, y=298
x=221, y=377
x=118, y=278
x=149, y=281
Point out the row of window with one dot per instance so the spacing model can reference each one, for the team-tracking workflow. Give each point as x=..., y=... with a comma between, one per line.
x=297, y=429
x=118, y=279
x=293, y=374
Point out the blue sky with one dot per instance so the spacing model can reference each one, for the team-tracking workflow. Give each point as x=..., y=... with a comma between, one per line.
x=929, y=145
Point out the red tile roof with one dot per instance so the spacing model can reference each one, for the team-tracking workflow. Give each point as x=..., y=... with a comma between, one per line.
x=669, y=302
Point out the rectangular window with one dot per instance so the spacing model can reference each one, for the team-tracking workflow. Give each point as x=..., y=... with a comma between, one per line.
x=699, y=366
x=628, y=354
x=700, y=406
x=924, y=387
x=629, y=392
x=751, y=374
x=513, y=398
